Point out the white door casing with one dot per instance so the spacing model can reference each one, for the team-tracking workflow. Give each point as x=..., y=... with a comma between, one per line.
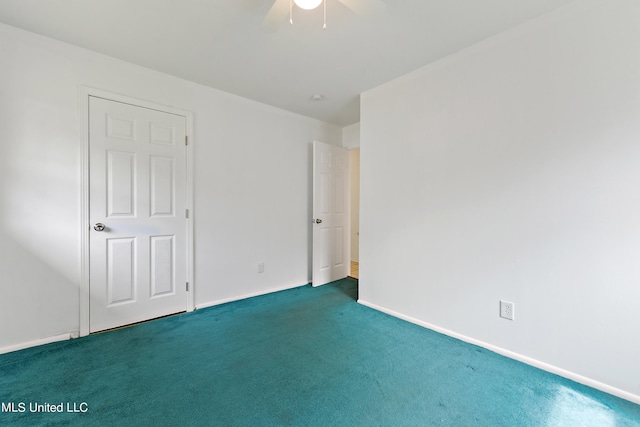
x=138, y=187
x=331, y=221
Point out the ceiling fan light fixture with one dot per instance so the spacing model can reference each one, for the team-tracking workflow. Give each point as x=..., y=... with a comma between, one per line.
x=307, y=4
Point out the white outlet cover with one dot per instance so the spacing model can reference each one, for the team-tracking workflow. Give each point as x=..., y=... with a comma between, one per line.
x=506, y=310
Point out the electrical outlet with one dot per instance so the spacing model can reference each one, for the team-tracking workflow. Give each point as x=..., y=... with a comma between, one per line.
x=506, y=310
x=261, y=267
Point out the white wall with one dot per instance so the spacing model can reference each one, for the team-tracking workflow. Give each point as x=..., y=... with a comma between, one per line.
x=252, y=183
x=351, y=136
x=511, y=170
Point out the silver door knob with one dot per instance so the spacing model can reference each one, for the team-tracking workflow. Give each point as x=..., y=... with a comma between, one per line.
x=99, y=226
x=318, y=221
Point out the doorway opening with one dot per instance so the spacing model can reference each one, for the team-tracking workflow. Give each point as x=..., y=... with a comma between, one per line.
x=354, y=168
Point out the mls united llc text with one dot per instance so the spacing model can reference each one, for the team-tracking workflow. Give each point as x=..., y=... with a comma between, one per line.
x=45, y=407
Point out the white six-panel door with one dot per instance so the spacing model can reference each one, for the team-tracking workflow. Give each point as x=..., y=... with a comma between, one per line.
x=137, y=214
x=331, y=259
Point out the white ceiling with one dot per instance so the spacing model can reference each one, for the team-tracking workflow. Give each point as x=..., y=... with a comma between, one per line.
x=220, y=43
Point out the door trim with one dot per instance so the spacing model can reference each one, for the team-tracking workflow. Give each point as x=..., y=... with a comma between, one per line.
x=84, y=94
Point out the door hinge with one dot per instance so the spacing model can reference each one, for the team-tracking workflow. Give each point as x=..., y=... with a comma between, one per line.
x=187, y=287
x=186, y=213
x=186, y=140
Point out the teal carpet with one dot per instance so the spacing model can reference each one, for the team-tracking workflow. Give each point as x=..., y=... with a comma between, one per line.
x=302, y=357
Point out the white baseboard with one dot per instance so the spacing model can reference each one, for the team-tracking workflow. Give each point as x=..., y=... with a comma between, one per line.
x=512, y=355
x=76, y=334
x=40, y=341
x=250, y=295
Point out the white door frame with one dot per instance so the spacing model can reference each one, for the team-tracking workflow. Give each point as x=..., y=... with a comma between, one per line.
x=85, y=93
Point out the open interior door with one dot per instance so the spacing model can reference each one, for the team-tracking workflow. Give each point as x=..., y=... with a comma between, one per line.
x=330, y=213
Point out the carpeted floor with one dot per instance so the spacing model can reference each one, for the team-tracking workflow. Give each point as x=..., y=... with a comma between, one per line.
x=302, y=357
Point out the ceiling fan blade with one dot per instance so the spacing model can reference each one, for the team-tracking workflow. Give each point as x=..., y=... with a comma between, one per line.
x=276, y=15
x=365, y=7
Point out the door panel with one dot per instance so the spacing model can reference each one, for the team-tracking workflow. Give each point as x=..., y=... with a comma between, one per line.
x=161, y=180
x=120, y=188
x=137, y=186
x=162, y=259
x=121, y=268
x=330, y=206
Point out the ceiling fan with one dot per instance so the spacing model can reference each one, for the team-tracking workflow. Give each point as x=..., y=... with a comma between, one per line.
x=283, y=8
